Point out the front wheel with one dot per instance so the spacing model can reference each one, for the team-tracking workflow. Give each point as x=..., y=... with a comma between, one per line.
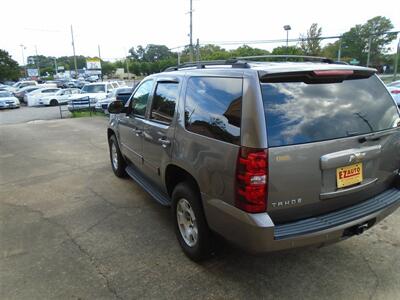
x=190, y=223
x=118, y=163
x=53, y=102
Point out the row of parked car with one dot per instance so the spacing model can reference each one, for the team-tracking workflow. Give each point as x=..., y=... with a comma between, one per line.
x=95, y=96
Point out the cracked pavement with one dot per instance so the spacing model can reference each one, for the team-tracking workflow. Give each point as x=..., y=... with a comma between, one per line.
x=69, y=229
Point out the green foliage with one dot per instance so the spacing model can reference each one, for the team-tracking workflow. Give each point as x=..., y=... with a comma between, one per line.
x=283, y=50
x=9, y=69
x=355, y=41
x=311, y=43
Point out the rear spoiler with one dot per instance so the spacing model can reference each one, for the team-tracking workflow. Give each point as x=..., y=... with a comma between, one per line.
x=317, y=76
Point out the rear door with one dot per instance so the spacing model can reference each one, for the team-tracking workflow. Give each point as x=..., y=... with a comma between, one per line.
x=333, y=142
x=158, y=128
x=131, y=124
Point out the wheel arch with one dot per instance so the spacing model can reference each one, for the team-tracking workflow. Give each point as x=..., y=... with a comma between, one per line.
x=175, y=174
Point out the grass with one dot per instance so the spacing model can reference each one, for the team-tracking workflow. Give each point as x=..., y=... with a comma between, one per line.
x=83, y=114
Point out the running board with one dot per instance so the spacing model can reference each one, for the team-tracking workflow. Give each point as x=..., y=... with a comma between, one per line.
x=148, y=186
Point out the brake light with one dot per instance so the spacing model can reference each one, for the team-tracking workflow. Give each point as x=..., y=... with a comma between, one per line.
x=331, y=73
x=395, y=92
x=251, y=180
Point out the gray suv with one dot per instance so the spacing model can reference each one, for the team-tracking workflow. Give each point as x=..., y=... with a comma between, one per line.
x=268, y=155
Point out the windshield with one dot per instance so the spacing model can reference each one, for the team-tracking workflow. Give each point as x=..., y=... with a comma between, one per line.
x=5, y=94
x=298, y=113
x=94, y=88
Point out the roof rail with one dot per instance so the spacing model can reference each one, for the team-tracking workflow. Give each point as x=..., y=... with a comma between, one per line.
x=235, y=63
x=304, y=57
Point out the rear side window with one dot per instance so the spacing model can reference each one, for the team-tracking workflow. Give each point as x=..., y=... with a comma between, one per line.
x=213, y=107
x=298, y=113
x=164, y=101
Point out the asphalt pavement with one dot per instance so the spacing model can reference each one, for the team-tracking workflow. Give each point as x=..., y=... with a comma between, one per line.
x=70, y=229
x=27, y=114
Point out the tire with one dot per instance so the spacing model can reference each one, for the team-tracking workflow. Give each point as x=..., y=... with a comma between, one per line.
x=118, y=163
x=187, y=211
x=53, y=102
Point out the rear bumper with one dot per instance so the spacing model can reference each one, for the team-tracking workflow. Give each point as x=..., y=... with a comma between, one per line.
x=257, y=233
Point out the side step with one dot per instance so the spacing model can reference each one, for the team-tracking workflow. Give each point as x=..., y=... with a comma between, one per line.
x=148, y=186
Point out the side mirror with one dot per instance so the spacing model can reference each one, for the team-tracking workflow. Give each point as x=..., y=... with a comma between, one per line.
x=116, y=107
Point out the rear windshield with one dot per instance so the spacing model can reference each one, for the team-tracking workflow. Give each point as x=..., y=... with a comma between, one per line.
x=298, y=113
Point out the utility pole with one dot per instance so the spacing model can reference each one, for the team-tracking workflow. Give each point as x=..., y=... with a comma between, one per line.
x=23, y=59
x=369, y=50
x=340, y=50
x=191, y=32
x=73, y=48
x=37, y=61
x=55, y=65
x=396, y=60
x=101, y=75
x=197, y=50
x=179, y=58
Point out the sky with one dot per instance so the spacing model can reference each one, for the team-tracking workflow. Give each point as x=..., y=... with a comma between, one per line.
x=117, y=25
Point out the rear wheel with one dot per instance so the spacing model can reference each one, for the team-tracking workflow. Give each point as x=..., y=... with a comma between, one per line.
x=190, y=223
x=118, y=163
x=53, y=102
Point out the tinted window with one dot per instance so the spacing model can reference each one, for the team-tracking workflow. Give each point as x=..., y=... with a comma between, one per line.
x=94, y=88
x=164, y=102
x=299, y=113
x=140, y=98
x=213, y=107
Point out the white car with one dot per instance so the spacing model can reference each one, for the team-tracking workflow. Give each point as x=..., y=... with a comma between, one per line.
x=90, y=94
x=7, y=100
x=20, y=84
x=33, y=98
x=394, y=89
x=61, y=97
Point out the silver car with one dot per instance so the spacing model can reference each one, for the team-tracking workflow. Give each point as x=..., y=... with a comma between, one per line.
x=269, y=156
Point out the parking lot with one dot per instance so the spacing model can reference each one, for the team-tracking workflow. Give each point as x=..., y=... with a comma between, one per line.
x=26, y=114
x=71, y=229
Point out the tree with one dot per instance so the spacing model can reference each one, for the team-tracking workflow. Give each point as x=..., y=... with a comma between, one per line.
x=283, y=50
x=311, y=43
x=355, y=42
x=9, y=69
x=246, y=50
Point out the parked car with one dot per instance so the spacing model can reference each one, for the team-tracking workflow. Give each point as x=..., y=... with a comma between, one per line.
x=90, y=94
x=7, y=100
x=33, y=98
x=20, y=93
x=270, y=156
x=123, y=94
x=60, y=97
x=21, y=84
x=394, y=89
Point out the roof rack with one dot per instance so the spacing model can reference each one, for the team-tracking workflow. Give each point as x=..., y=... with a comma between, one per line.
x=235, y=63
x=304, y=57
x=242, y=62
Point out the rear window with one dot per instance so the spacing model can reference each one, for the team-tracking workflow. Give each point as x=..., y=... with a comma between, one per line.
x=298, y=113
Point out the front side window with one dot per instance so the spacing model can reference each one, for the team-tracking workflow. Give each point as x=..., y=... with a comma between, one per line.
x=213, y=107
x=141, y=97
x=164, y=101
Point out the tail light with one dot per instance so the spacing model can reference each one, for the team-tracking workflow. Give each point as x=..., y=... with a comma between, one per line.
x=395, y=92
x=251, y=180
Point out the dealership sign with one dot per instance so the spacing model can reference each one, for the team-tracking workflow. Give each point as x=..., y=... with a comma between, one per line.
x=32, y=72
x=93, y=64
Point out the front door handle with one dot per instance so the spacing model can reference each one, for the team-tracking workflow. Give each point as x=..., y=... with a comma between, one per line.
x=164, y=142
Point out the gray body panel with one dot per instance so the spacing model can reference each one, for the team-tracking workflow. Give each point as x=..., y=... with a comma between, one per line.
x=305, y=171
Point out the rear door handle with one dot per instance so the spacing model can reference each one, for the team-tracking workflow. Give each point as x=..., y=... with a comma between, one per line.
x=164, y=142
